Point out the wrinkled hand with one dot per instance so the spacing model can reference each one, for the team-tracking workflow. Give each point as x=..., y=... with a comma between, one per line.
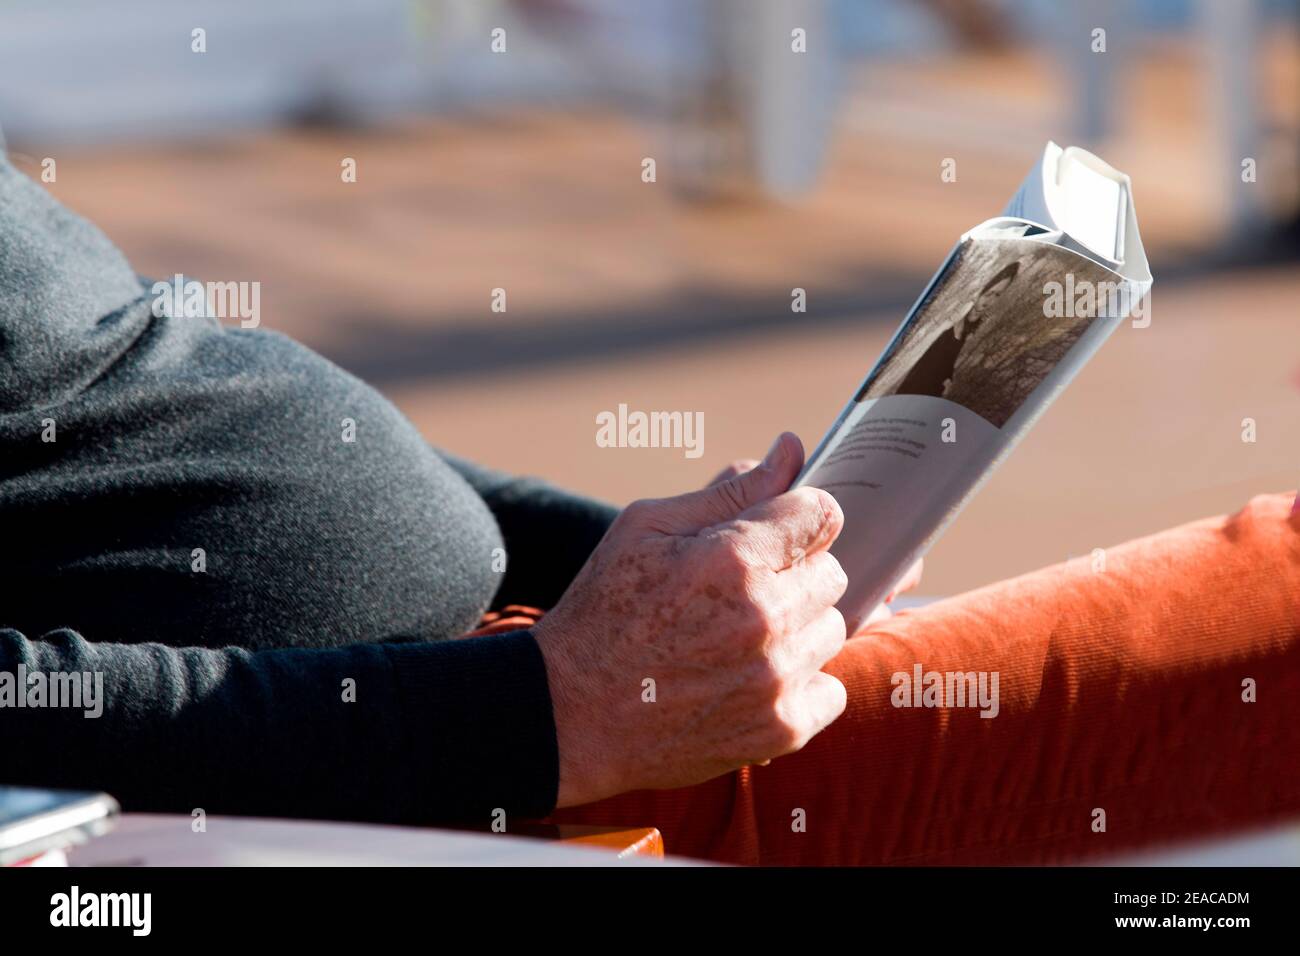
x=692, y=641
x=910, y=580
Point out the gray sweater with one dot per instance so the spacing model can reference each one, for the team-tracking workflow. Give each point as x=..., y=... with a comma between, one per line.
x=181, y=515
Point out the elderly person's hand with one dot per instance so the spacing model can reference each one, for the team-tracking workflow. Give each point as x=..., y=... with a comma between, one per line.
x=910, y=580
x=692, y=642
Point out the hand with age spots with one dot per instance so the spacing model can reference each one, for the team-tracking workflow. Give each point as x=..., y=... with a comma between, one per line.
x=725, y=598
x=910, y=580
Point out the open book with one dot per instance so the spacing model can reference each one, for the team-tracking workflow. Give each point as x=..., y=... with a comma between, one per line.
x=1022, y=302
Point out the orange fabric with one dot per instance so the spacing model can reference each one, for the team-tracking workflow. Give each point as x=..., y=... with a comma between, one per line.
x=512, y=617
x=1119, y=689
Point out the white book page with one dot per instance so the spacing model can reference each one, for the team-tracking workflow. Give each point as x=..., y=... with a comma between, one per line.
x=1090, y=202
x=975, y=362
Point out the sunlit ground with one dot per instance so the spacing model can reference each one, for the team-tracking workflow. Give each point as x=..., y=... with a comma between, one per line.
x=618, y=292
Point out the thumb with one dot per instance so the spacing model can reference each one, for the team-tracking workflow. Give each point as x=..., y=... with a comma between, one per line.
x=689, y=513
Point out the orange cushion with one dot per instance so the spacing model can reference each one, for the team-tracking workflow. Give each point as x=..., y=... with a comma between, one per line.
x=1125, y=716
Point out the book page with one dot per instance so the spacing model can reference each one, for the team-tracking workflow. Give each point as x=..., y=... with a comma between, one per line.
x=1021, y=304
x=1087, y=200
x=969, y=370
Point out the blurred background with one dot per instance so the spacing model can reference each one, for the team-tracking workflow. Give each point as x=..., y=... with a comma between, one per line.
x=523, y=168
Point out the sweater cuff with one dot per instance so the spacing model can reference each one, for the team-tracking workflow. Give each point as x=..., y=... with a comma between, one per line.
x=486, y=702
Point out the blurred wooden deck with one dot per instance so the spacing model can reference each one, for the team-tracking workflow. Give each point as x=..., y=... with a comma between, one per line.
x=618, y=293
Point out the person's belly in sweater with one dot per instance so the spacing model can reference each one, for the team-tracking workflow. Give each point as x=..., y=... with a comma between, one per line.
x=163, y=479
x=225, y=487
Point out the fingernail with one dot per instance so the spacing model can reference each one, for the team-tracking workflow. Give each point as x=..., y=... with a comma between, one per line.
x=776, y=454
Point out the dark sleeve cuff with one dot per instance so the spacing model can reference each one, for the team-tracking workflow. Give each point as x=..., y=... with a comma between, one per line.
x=549, y=533
x=485, y=706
